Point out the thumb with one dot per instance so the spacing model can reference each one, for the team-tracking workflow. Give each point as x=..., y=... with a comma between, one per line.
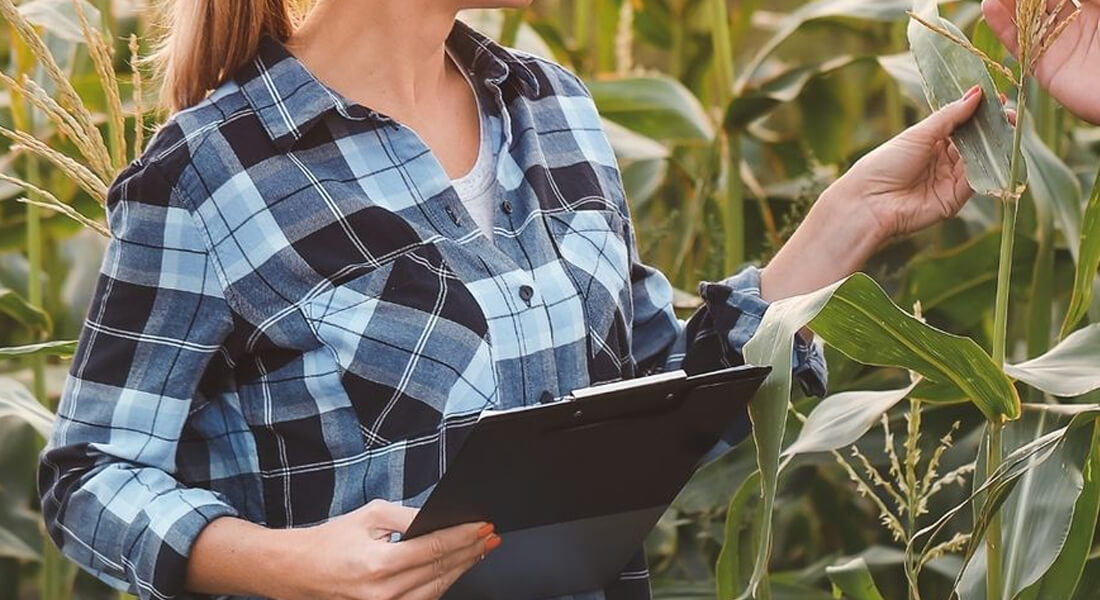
x=946, y=120
x=384, y=517
x=999, y=16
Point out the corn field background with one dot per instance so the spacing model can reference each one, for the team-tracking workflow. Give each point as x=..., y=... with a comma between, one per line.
x=729, y=118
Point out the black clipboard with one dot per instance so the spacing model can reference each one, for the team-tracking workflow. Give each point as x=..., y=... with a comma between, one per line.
x=573, y=487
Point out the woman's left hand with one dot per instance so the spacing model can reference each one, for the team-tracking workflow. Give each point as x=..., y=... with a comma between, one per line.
x=916, y=179
x=913, y=181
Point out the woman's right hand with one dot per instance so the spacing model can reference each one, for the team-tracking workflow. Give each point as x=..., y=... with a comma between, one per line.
x=351, y=557
x=1069, y=68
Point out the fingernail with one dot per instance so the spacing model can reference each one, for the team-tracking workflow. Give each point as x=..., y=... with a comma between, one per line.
x=1003, y=97
x=492, y=543
x=485, y=530
x=974, y=91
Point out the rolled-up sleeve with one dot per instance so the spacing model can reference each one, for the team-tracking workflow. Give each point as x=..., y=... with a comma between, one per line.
x=713, y=337
x=109, y=496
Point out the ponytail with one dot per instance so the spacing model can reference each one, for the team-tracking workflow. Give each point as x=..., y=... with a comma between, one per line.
x=205, y=41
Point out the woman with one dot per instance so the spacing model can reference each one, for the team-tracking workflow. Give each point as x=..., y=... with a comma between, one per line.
x=307, y=302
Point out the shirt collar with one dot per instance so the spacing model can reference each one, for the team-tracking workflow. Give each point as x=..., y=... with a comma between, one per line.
x=288, y=99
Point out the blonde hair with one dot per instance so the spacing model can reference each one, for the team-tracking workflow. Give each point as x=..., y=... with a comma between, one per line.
x=205, y=41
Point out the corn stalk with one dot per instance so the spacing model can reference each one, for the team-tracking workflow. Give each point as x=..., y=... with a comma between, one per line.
x=732, y=205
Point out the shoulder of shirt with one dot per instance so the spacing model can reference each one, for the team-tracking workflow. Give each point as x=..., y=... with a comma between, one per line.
x=563, y=81
x=182, y=137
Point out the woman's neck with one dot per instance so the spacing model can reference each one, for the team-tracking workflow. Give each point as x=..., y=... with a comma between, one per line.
x=385, y=54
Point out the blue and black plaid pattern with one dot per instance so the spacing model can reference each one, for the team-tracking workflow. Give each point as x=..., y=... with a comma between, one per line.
x=296, y=314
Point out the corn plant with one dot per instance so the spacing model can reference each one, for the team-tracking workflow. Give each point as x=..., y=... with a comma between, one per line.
x=856, y=318
x=53, y=130
x=728, y=119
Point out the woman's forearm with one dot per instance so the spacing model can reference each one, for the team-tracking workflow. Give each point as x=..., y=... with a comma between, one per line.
x=239, y=558
x=836, y=238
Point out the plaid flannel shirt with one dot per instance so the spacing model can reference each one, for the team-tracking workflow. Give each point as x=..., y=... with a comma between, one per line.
x=296, y=314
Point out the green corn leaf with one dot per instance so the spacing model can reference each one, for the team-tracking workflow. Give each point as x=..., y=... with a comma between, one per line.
x=841, y=419
x=948, y=71
x=658, y=107
x=1070, y=369
x=1053, y=185
x=631, y=146
x=1088, y=261
x=853, y=578
x=857, y=318
x=903, y=68
x=861, y=322
x=13, y=305
x=879, y=10
x=727, y=572
x=16, y=402
x=20, y=536
x=780, y=90
x=959, y=281
x=1038, y=510
x=61, y=348
x=1062, y=578
x=995, y=489
x=59, y=17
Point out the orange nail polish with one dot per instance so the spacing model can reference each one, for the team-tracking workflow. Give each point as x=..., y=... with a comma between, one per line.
x=485, y=530
x=492, y=543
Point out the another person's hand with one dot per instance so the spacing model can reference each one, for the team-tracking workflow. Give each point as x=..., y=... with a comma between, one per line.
x=351, y=557
x=911, y=182
x=1070, y=69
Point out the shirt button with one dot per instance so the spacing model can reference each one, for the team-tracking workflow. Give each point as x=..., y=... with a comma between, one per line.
x=506, y=206
x=526, y=292
x=546, y=397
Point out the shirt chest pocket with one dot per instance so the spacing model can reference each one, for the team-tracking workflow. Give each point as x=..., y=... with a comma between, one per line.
x=592, y=247
x=410, y=343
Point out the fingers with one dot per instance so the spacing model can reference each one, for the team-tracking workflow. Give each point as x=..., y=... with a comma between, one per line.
x=953, y=153
x=962, y=190
x=437, y=546
x=999, y=15
x=943, y=122
x=430, y=581
x=1010, y=113
x=384, y=518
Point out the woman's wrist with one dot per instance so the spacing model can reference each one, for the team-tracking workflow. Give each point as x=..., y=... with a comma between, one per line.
x=236, y=557
x=851, y=217
x=837, y=237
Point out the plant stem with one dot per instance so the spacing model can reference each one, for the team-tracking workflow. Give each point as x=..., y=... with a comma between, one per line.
x=509, y=30
x=607, y=21
x=1009, y=206
x=723, y=52
x=994, y=566
x=733, y=202
x=53, y=576
x=1008, y=234
x=582, y=13
x=676, y=43
x=912, y=493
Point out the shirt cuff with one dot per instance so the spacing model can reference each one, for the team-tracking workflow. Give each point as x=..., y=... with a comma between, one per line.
x=736, y=307
x=157, y=563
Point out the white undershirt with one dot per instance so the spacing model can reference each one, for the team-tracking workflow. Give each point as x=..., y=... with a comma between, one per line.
x=477, y=188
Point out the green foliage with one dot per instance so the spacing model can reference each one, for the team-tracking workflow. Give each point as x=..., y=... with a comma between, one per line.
x=1039, y=511
x=728, y=118
x=854, y=580
x=948, y=70
x=1088, y=261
